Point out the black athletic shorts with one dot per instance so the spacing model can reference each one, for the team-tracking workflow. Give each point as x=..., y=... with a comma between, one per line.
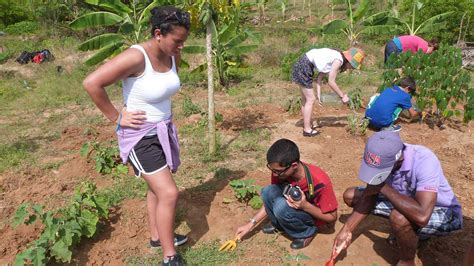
x=147, y=157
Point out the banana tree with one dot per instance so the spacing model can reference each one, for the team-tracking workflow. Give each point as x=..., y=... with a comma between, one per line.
x=359, y=23
x=131, y=21
x=228, y=46
x=432, y=24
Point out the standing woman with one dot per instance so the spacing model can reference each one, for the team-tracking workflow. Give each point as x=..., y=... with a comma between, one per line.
x=146, y=134
x=327, y=62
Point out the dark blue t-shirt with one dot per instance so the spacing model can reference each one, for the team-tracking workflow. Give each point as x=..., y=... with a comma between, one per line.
x=381, y=112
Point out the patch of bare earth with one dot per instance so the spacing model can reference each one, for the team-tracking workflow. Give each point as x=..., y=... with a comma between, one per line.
x=206, y=217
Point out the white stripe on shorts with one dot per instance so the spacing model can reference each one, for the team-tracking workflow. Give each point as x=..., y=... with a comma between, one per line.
x=135, y=162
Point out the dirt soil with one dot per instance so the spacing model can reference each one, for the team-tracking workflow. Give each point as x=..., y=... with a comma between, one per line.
x=208, y=218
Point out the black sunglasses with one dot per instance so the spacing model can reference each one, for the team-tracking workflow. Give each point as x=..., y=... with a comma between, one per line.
x=180, y=16
x=278, y=172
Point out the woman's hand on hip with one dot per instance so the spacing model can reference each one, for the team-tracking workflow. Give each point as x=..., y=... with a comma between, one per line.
x=133, y=119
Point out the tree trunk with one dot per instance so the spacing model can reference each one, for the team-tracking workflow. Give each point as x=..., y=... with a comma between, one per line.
x=210, y=91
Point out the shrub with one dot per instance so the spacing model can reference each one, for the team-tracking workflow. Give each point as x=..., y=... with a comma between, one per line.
x=247, y=192
x=23, y=27
x=106, y=157
x=442, y=85
x=4, y=57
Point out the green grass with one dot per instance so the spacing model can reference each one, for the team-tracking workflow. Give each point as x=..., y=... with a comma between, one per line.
x=252, y=140
x=202, y=254
x=12, y=155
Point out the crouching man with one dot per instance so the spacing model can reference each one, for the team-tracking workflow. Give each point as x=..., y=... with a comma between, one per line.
x=300, y=199
x=406, y=184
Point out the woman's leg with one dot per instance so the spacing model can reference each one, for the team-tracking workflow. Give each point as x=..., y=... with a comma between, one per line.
x=308, y=99
x=151, y=204
x=161, y=204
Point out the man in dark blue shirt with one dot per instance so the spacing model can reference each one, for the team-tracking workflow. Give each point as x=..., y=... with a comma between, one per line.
x=384, y=109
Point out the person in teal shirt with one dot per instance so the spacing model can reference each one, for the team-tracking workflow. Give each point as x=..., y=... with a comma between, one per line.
x=383, y=109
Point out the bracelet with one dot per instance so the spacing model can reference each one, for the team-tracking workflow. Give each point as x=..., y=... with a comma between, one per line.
x=118, y=121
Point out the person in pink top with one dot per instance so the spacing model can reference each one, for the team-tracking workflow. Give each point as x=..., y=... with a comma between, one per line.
x=409, y=43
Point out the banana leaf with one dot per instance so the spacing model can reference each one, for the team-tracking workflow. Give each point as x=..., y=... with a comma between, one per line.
x=100, y=41
x=379, y=30
x=146, y=13
x=104, y=53
x=335, y=26
x=361, y=10
x=380, y=18
x=227, y=31
x=111, y=5
x=95, y=19
x=433, y=20
x=236, y=40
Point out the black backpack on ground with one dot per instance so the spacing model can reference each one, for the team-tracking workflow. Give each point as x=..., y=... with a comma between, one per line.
x=24, y=58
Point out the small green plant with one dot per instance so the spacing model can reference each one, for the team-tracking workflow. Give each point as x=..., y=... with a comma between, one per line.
x=4, y=57
x=357, y=124
x=63, y=228
x=247, y=192
x=106, y=157
x=190, y=108
x=355, y=99
x=293, y=105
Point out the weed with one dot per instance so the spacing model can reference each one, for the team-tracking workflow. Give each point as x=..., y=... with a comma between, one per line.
x=12, y=155
x=247, y=192
x=189, y=108
x=355, y=99
x=106, y=157
x=357, y=124
x=293, y=105
x=252, y=140
x=297, y=258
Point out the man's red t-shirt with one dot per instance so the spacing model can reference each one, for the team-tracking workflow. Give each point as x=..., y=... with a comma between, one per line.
x=324, y=199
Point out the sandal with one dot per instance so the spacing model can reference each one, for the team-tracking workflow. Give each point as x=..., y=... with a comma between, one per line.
x=312, y=133
x=345, y=99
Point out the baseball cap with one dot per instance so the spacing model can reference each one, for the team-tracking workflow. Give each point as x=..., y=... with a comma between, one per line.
x=382, y=151
x=355, y=56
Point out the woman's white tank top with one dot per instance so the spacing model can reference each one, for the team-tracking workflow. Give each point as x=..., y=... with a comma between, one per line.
x=323, y=58
x=151, y=91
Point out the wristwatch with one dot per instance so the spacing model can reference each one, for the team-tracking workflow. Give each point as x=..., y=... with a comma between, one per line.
x=253, y=221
